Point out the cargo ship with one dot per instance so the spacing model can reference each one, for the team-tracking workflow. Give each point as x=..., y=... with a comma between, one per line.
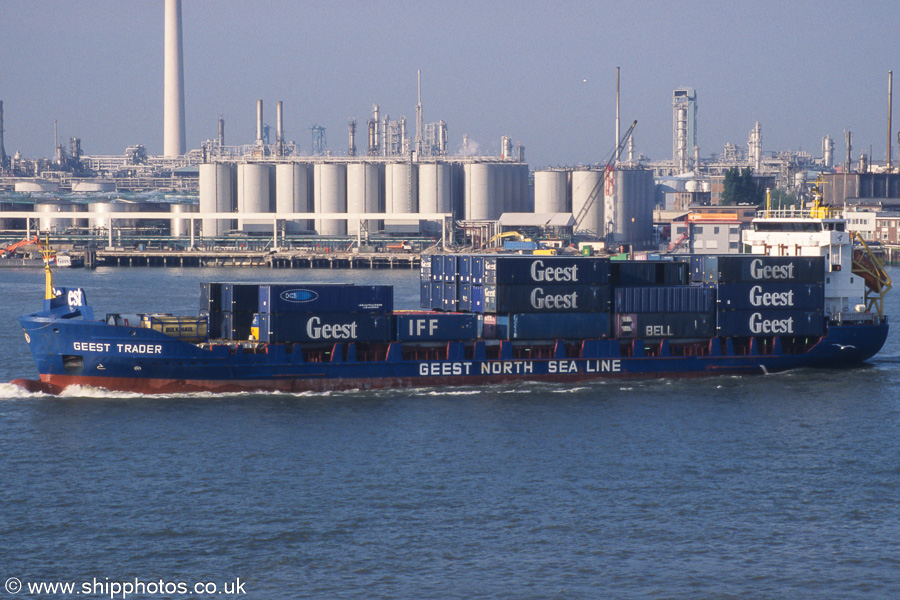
x=804, y=296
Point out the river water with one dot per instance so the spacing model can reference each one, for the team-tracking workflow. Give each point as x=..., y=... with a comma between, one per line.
x=780, y=486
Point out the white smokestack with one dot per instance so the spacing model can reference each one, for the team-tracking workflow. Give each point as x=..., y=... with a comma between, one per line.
x=259, y=122
x=173, y=101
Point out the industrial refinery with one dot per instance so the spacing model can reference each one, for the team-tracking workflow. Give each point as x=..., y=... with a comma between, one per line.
x=394, y=189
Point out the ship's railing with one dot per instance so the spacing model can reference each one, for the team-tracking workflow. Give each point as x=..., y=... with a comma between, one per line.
x=822, y=212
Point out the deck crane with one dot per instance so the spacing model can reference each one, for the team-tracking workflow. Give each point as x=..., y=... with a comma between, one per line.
x=607, y=172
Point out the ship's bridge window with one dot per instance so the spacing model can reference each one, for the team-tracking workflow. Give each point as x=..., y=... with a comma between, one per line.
x=786, y=226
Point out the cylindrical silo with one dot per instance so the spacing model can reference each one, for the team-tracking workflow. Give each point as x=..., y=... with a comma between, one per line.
x=362, y=195
x=292, y=194
x=634, y=207
x=217, y=188
x=550, y=191
x=36, y=185
x=114, y=210
x=93, y=185
x=182, y=227
x=330, y=196
x=254, y=194
x=479, y=190
x=587, y=190
x=57, y=224
x=434, y=193
x=401, y=196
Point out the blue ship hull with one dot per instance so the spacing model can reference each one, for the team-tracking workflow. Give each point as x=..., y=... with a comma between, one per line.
x=71, y=349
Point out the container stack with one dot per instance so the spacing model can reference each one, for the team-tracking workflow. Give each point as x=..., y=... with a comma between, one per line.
x=763, y=296
x=523, y=297
x=654, y=300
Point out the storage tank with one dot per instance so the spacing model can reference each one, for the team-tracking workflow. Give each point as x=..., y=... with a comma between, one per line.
x=254, y=194
x=634, y=200
x=401, y=196
x=292, y=194
x=551, y=191
x=112, y=209
x=37, y=185
x=362, y=195
x=93, y=185
x=587, y=188
x=182, y=227
x=217, y=187
x=330, y=196
x=434, y=194
x=58, y=224
x=480, y=189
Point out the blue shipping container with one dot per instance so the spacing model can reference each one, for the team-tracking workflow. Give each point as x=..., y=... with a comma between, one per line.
x=464, y=268
x=680, y=298
x=476, y=275
x=639, y=273
x=240, y=297
x=464, y=300
x=321, y=298
x=477, y=299
x=546, y=298
x=450, y=301
x=765, y=323
x=437, y=295
x=765, y=296
x=425, y=295
x=545, y=270
x=326, y=328
x=533, y=326
x=449, y=268
x=435, y=327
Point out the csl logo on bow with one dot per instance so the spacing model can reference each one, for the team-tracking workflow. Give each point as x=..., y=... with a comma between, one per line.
x=299, y=296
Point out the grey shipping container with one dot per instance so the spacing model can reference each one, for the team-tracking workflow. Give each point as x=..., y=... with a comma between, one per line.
x=534, y=326
x=546, y=298
x=326, y=328
x=665, y=325
x=681, y=298
x=233, y=325
x=765, y=323
x=435, y=327
x=321, y=298
x=240, y=297
x=750, y=268
x=767, y=295
x=546, y=270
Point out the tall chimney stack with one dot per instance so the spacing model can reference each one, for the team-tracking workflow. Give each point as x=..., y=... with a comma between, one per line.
x=259, y=122
x=173, y=101
x=4, y=160
x=279, y=130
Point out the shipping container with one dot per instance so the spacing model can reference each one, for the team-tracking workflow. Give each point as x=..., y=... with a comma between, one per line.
x=516, y=246
x=477, y=299
x=449, y=268
x=425, y=295
x=234, y=325
x=325, y=328
x=750, y=268
x=476, y=276
x=523, y=270
x=464, y=297
x=534, y=326
x=211, y=297
x=764, y=323
x=437, y=268
x=767, y=295
x=450, y=297
x=240, y=297
x=680, y=298
x=546, y=298
x=665, y=325
x=464, y=268
x=437, y=295
x=320, y=298
x=435, y=326
x=638, y=273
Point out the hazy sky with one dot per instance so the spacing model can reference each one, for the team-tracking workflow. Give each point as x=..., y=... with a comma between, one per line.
x=541, y=72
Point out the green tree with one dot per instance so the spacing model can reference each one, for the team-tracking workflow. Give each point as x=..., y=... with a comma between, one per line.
x=740, y=188
x=781, y=199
